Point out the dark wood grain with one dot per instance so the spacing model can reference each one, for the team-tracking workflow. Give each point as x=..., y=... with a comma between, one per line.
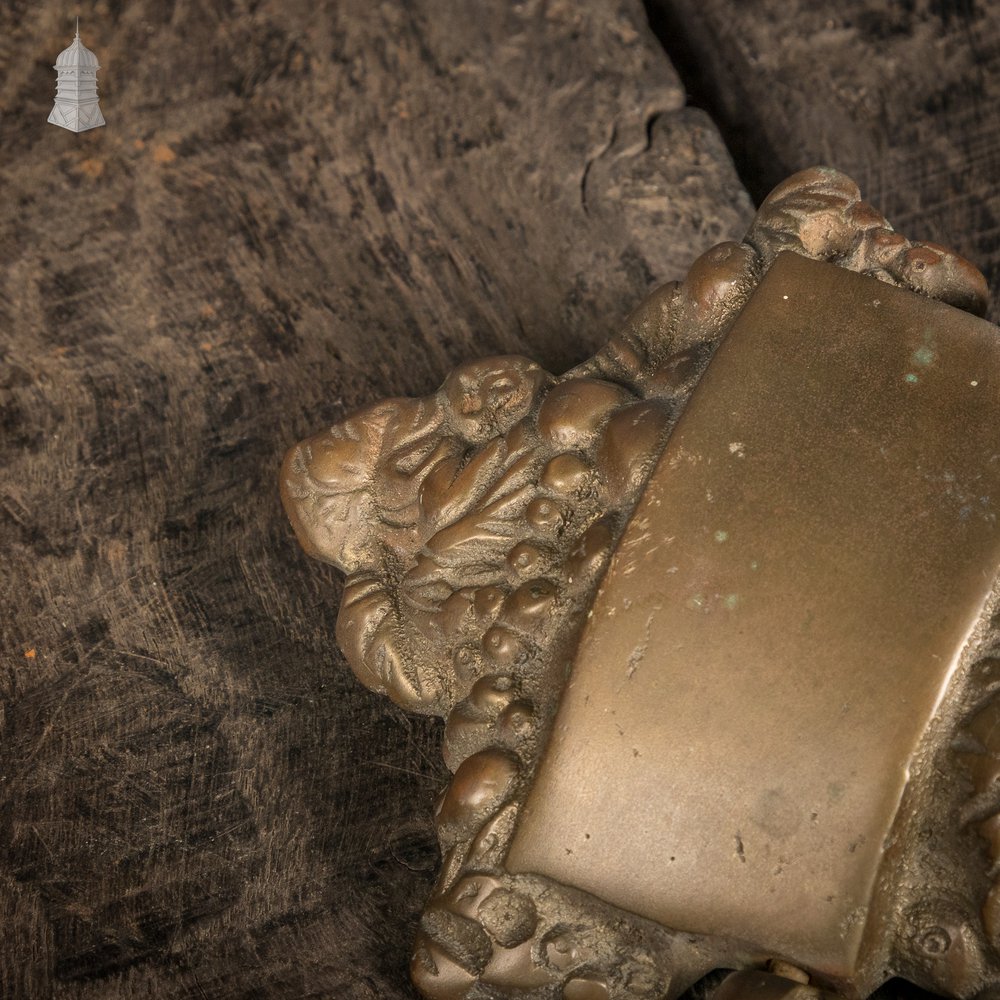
x=901, y=96
x=294, y=208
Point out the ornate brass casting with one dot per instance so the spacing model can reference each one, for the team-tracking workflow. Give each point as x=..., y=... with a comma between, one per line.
x=712, y=621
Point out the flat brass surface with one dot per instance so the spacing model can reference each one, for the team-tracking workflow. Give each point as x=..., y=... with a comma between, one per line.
x=780, y=621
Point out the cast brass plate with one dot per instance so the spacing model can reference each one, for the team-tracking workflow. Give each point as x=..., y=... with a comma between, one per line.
x=780, y=622
x=711, y=635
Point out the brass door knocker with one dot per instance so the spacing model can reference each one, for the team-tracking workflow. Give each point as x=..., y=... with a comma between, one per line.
x=711, y=622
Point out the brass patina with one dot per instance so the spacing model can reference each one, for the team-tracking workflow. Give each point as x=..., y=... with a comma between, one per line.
x=711, y=621
x=781, y=621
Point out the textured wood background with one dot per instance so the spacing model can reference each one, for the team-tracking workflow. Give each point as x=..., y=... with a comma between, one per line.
x=295, y=208
x=903, y=95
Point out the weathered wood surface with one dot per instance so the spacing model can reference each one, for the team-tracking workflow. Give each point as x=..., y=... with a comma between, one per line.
x=294, y=208
x=903, y=97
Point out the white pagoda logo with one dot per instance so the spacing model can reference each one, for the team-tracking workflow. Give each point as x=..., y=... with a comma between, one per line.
x=76, y=106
